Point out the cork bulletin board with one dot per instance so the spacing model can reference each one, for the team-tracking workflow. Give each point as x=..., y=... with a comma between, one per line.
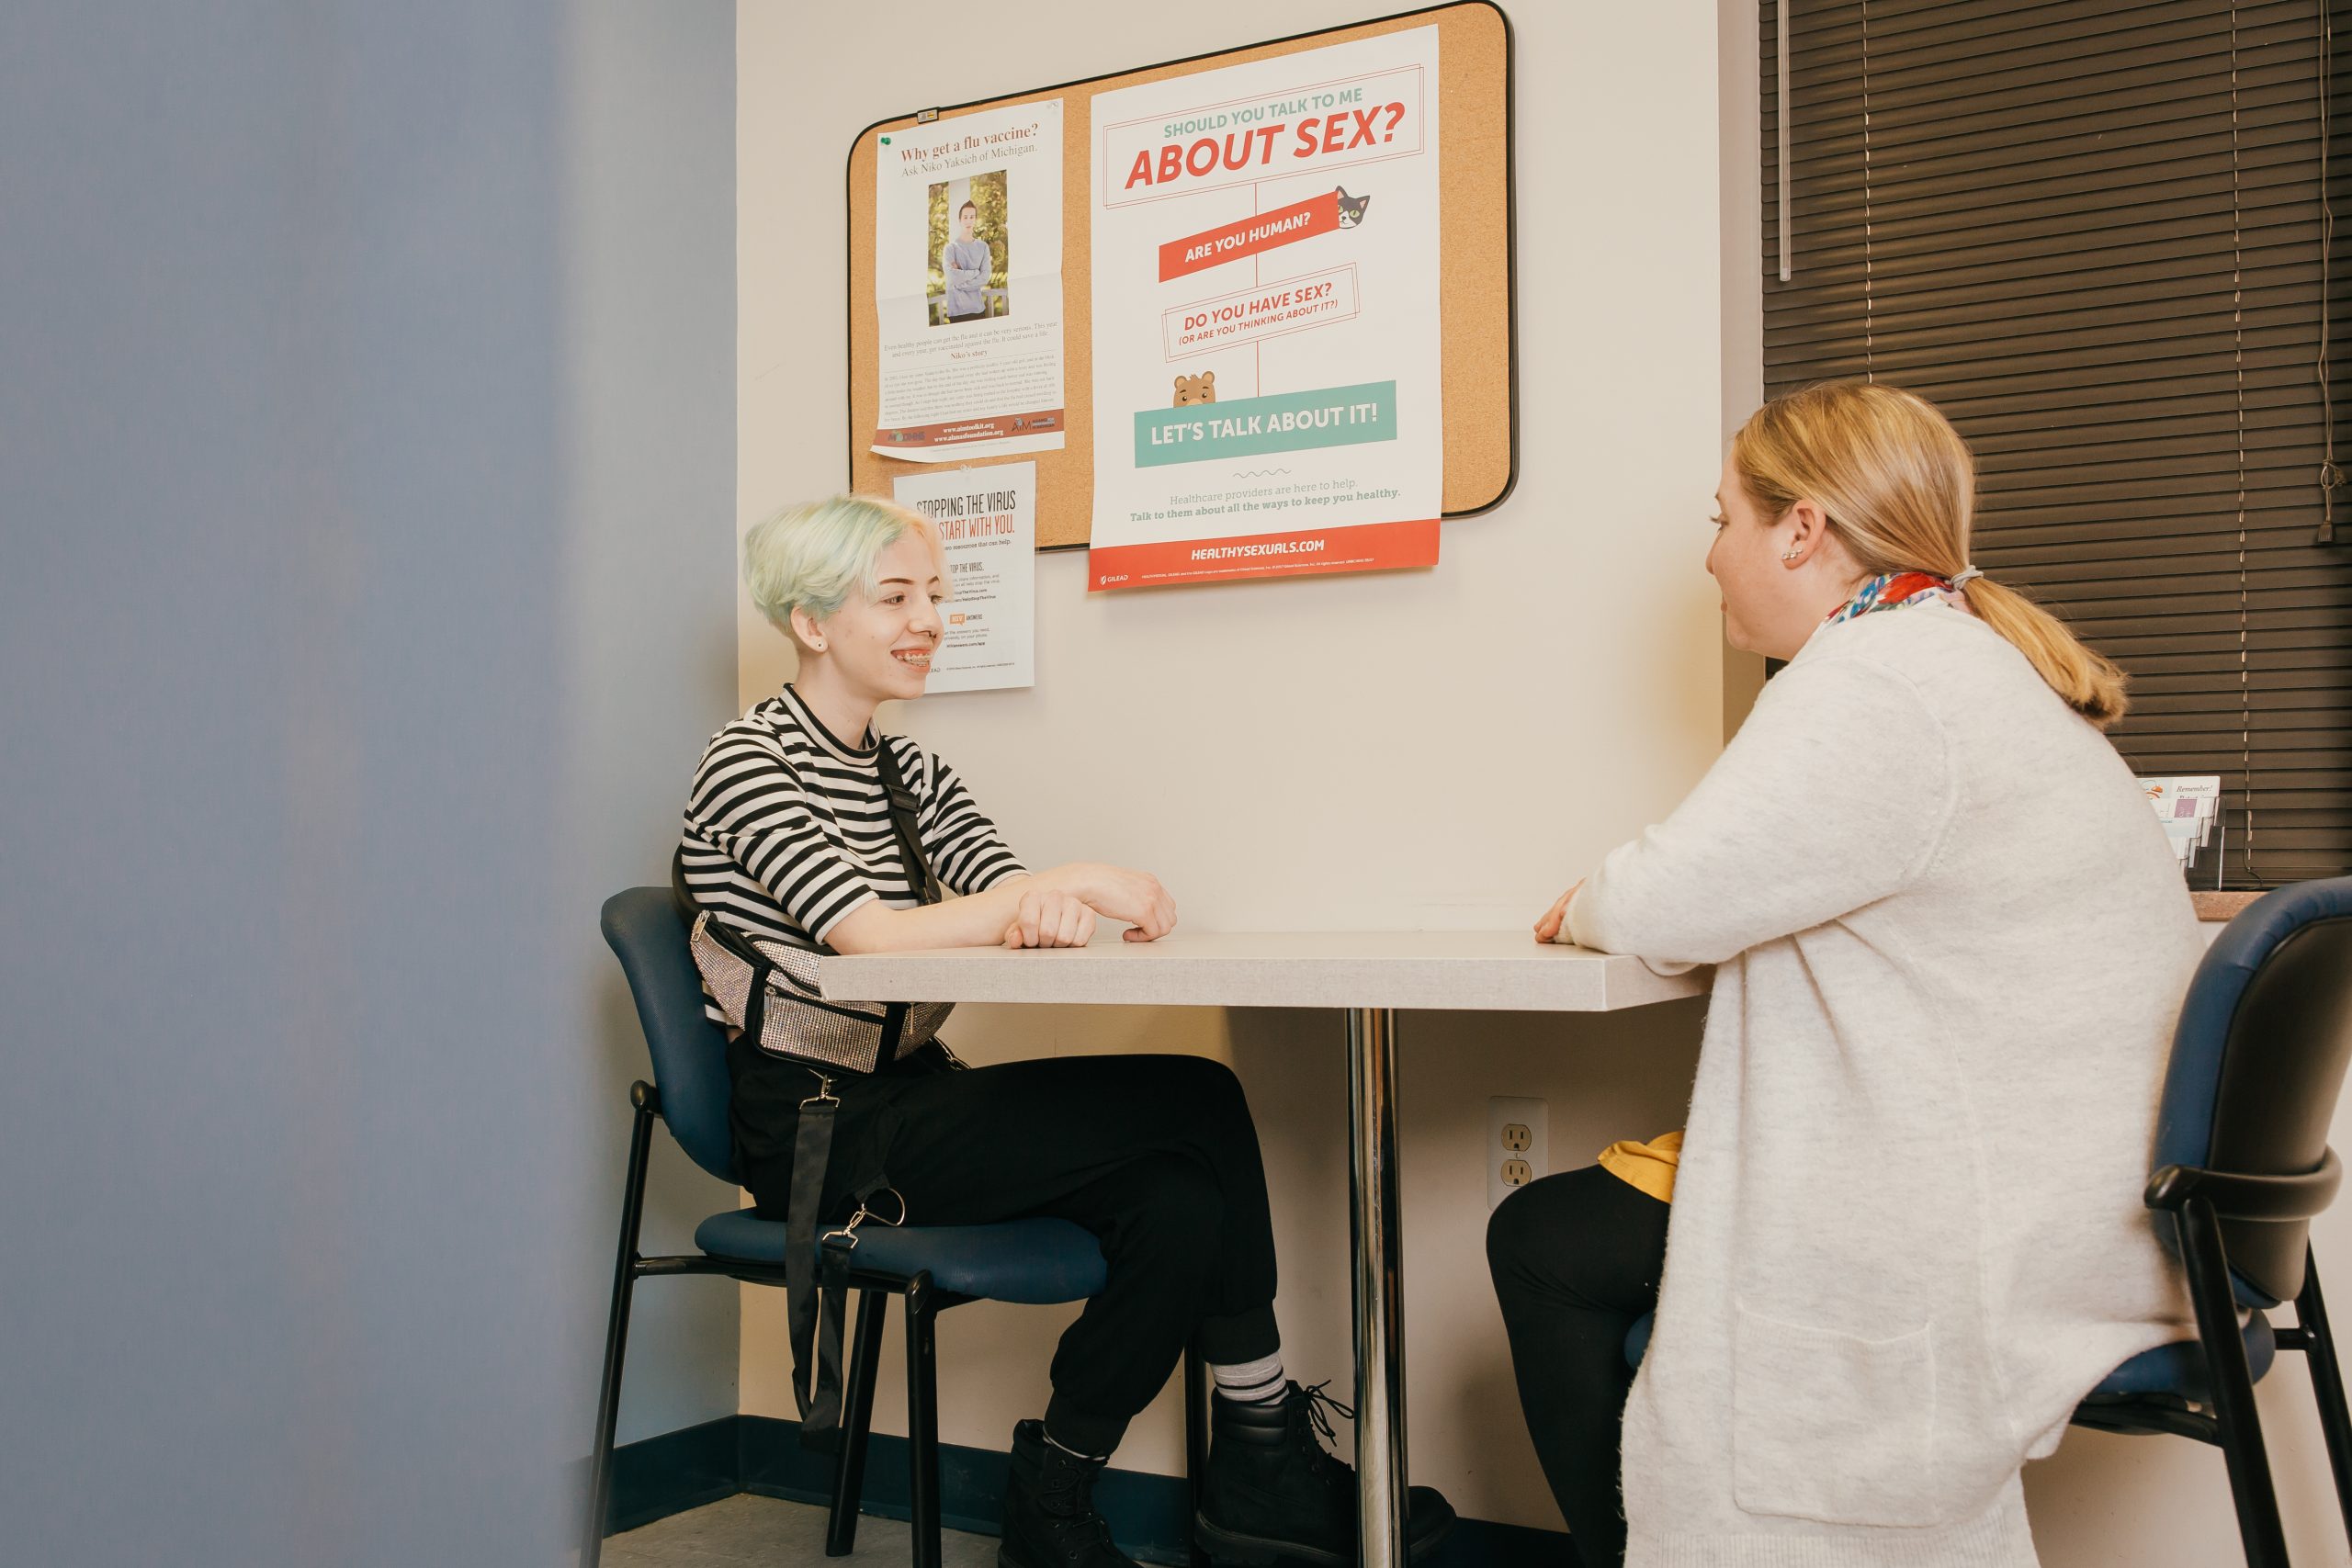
x=1478, y=306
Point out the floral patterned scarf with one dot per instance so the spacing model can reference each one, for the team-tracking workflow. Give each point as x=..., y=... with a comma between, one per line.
x=1894, y=590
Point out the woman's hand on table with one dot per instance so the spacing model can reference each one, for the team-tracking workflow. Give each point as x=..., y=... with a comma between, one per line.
x=1050, y=916
x=1548, y=928
x=1134, y=897
x=1059, y=907
x=1052, y=908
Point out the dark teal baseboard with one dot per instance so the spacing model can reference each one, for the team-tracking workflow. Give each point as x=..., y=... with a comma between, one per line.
x=672, y=1473
x=1150, y=1514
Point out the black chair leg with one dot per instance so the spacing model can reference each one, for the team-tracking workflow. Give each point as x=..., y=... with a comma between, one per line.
x=1197, y=1443
x=857, y=1422
x=608, y=1394
x=923, y=1420
x=2328, y=1384
x=2241, y=1428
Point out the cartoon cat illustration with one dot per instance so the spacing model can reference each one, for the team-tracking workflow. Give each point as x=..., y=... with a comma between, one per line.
x=1350, y=207
x=1200, y=388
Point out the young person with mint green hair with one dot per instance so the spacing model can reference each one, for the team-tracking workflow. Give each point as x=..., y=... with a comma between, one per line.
x=788, y=837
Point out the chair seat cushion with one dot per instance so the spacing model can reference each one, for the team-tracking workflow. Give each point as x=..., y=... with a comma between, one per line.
x=2179, y=1368
x=741, y=1233
x=1034, y=1261
x=1637, y=1339
x=2176, y=1369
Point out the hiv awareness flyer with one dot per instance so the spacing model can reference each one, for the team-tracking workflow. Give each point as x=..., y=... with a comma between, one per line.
x=1267, y=399
x=967, y=285
x=986, y=520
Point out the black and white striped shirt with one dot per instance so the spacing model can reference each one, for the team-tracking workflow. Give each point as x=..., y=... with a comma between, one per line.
x=787, y=829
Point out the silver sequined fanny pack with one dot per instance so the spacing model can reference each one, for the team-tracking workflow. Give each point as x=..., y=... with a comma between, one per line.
x=768, y=989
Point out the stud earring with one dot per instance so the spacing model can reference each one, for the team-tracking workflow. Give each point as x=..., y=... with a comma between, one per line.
x=817, y=648
x=1790, y=555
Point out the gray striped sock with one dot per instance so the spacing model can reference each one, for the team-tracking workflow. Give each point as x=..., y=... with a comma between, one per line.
x=1250, y=1382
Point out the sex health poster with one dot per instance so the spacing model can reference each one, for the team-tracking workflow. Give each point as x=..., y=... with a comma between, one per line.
x=1266, y=260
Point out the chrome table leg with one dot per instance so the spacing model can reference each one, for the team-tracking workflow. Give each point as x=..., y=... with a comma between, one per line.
x=1379, y=1297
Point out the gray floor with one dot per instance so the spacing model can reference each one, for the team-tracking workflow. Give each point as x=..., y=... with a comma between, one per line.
x=744, y=1531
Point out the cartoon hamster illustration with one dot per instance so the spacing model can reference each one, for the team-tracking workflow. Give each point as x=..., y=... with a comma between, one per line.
x=1350, y=207
x=1200, y=388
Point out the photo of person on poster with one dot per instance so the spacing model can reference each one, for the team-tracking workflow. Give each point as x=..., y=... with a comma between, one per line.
x=965, y=263
x=967, y=250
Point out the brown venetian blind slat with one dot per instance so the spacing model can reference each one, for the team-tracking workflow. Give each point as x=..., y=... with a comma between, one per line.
x=2064, y=229
x=2073, y=106
x=1827, y=130
x=2090, y=232
x=1926, y=80
x=2029, y=301
x=2187, y=253
x=2266, y=177
x=2003, y=43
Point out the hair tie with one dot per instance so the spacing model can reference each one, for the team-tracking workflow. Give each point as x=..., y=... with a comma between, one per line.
x=1960, y=578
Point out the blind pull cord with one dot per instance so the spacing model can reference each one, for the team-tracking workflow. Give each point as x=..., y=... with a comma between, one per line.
x=1781, y=113
x=2330, y=476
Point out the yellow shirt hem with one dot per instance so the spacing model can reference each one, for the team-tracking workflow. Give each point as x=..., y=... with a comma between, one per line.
x=1645, y=1166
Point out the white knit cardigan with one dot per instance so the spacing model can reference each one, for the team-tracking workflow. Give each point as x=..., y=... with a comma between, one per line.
x=1908, y=1237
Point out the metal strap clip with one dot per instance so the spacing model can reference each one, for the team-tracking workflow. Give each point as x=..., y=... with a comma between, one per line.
x=847, y=1232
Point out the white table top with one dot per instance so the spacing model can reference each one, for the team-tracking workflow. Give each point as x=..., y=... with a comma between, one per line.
x=1498, y=971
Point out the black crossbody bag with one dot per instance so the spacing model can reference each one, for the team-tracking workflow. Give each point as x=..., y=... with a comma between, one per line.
x=769, y=991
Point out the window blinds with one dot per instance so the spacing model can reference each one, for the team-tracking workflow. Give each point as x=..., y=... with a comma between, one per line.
x=2092, y=232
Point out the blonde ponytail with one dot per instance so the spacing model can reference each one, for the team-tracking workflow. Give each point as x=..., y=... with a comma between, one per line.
x=2090, y=684
x=1898, y=486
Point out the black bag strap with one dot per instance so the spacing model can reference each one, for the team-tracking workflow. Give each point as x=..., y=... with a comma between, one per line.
x=812, y=1147
x=813, y=1312
x=903, y=805
x=681, y=895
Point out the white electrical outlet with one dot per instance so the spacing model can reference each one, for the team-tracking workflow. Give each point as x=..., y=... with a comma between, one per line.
x=1518, y=1145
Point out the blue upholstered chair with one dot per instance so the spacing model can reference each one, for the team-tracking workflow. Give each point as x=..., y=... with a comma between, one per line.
x=2241, y=1166
x=1038, y=1261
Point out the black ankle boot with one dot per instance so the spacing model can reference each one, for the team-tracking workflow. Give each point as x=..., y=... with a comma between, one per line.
x=1049, y=1517
x=1273, y=1492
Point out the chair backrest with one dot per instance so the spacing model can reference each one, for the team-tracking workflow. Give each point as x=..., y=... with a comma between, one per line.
x=2257, y=1061
x=689, y=1051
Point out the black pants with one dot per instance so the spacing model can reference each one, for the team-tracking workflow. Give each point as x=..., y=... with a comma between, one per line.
x=1576, y=1260
x=1156, y=1155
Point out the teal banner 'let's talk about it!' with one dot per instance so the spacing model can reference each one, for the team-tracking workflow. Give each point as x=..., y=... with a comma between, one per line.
x=1290, y=421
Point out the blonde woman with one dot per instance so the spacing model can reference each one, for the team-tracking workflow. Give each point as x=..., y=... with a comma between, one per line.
x=788, y=837
x=1905, y=1231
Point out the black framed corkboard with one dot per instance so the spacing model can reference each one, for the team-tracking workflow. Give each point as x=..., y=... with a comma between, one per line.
x=1478, y=306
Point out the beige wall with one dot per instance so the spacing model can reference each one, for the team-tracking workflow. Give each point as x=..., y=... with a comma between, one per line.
x=1443, y=749
x=1736, y=60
